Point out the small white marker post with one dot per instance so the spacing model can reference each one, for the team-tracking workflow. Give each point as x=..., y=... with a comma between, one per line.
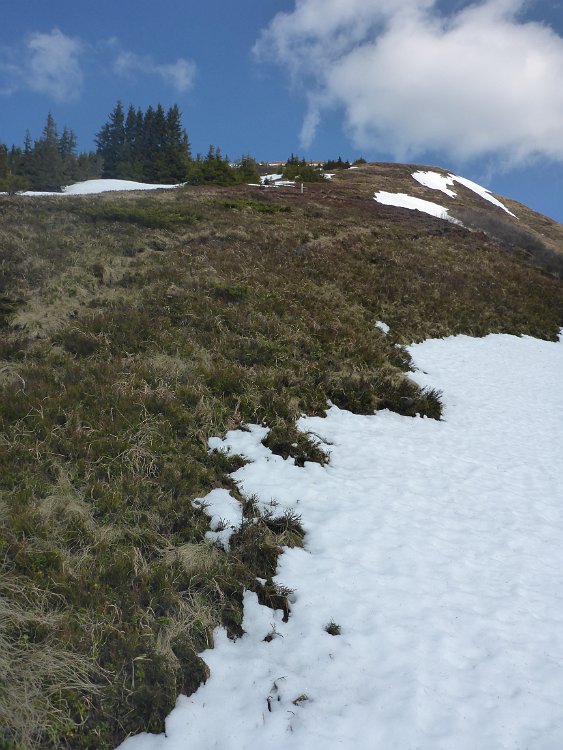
x=301, y=188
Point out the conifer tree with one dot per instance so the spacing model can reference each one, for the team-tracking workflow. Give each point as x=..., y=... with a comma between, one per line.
x=27, y=144
x=3, y=160
x=247, y=170
x=298, y=169
x=155, y=137
x=131, y=161
x=176, y=147
x=48, y=163
x=67, y=150
x=47, y=173
x=110, y=142
x=150, y=146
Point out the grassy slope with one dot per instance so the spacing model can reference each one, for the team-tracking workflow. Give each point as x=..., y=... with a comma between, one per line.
x=535, y=235
x=133, y=328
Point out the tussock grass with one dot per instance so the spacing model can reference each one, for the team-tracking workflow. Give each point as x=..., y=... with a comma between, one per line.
x=285, y=440
x=332, y=628
x=125, y=343
x=39, y=677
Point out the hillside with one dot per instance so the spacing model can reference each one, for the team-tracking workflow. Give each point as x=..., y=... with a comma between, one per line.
x=524, y=231
x=136, y=326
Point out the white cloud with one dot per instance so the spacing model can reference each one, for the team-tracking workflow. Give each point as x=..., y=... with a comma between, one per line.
x=479, y=81
x=53, y=65
x=9, y=75
x=48, y=63
x=180, y=74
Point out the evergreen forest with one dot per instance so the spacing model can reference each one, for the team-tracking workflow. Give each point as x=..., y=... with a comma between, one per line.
x=150, y=146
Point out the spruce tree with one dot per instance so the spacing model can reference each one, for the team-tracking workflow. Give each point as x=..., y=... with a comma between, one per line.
x=47, y=161
x=67, y=150
x=156, y=158
x=176, y=148
x=3, y=160
x=150, y=146
x=110, y=142
x=247, y=170
x=131, y=162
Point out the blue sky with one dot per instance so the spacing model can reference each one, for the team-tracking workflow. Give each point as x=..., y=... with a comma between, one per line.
x=474, y=87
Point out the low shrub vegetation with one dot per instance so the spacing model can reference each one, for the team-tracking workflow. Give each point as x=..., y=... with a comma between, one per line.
x=134, y=329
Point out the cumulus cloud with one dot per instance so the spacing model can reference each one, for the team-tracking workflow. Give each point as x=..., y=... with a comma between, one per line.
x=410, y=78
x=180, y=74
x=48, y=63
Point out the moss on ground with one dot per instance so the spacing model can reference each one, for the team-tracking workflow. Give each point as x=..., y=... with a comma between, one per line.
x=131, y=331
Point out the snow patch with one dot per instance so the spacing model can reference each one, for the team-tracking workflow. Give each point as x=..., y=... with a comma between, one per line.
x=401, y=200
x=92, y=187
x=275, y=180
x=437, y=181
x=382, y=326
x=482, y=192
x=435, y=546
x=225, y=513
x=270, y=178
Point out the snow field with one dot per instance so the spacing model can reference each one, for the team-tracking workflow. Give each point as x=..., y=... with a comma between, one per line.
x=436, y=181
x=92, y=187
x=436, y=546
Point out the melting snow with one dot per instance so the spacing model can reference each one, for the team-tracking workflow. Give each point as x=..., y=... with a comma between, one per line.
x=103, y=186
x=91, y=187
x=436, y=546
x=275, y=180
x=437, y=181
x=483, y=192
x=270, y=178
x=225, y=513
x=382, y=326
x=401, y=200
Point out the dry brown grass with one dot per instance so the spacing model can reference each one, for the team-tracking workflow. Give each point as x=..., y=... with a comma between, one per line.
x=36, y=677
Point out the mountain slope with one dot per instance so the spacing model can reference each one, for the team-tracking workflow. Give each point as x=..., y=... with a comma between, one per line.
x=136, y=326
x=527, y=231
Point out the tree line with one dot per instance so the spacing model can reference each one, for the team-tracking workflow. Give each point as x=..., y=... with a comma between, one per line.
x=150, y=146
x=146, y=146
x=153, y=146
x=47, y=163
